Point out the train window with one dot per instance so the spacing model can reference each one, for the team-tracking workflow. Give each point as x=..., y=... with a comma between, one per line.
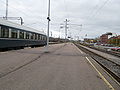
x=35, y=36
x=32, y=36
x=21, y=35
x=4, y=32
x=43, y=37
x=0, y=31
x=27, y=35
x=13, y=33
x=39, y=37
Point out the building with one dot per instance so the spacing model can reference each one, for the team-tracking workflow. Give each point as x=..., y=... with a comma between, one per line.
x=104, y=39
x=118, y=36
x=115, y=37
x=115, y=40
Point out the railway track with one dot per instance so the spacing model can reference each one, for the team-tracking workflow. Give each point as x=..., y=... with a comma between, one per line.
x=115, y=53
x=110, y=66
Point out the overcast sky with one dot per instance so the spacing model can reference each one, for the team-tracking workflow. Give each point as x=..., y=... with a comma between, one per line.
x=96, y=16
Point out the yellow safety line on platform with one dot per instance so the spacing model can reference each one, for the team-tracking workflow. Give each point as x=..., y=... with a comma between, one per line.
x=108, y=74
x=103, y=70
x=103, y=78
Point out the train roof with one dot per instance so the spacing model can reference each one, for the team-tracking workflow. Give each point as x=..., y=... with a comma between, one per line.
x=15, y=25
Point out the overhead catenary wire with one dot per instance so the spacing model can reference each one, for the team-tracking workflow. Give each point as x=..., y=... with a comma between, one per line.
x=92, y=10
x=102, y=6
x=66, y=9
x=17, y=10
x=19, y=3
x=99, y=8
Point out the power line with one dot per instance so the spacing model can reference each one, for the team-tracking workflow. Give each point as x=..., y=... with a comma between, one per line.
x=19, y=2
x=92, y=10
x=66, y=10
x=15, y=8
x=18, y=10
x=99, y=9
x=102, y=6
x=76, y=24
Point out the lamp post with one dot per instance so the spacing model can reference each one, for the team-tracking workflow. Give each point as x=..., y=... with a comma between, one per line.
x=66, y=23
x=61, y=26
x=6, y=9
x=48, y=18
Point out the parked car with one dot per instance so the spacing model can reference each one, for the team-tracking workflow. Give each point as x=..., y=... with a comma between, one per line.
x=116, y=48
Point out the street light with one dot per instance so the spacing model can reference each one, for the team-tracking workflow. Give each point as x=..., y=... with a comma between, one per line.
x=61, y=26
x=66, y=23
x=6, y=9
x=48, y=18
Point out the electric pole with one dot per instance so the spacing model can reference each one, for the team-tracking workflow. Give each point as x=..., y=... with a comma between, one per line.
x=21, y=20
x=48, y=18
x=51, y=33
x=66, y=21
x=6, y=9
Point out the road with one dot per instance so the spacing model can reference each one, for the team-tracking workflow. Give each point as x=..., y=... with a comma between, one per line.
x=65, y=67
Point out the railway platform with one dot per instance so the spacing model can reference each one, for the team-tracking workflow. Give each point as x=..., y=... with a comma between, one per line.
x=64, y=67
x=105, y=55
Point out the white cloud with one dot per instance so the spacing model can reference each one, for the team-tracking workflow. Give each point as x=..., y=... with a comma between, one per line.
x=95, y=21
